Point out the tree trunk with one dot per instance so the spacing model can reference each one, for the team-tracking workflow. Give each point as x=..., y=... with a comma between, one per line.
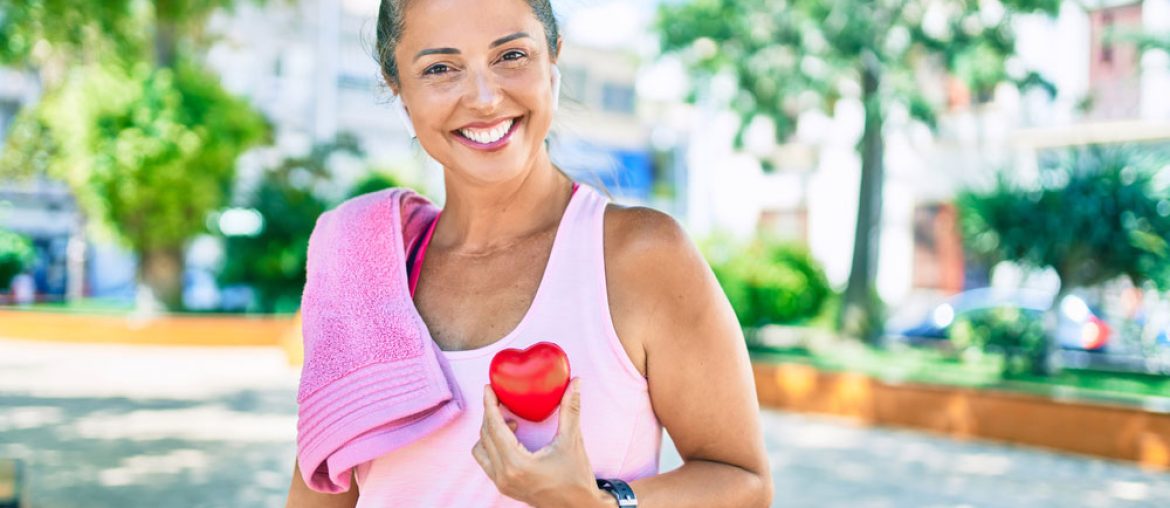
x=165, y=34
x=161, y=270
x=859, y=312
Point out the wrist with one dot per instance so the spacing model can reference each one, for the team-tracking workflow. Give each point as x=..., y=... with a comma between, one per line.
x=620, y=493
x=581, y=498
x=605, y=500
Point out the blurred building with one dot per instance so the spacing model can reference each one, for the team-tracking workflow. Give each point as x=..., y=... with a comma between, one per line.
x=598, y=135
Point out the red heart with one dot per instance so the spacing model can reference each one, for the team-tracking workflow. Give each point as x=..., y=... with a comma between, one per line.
x=530, y=382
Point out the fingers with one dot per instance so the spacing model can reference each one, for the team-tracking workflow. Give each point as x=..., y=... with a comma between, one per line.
x=569, y=421
x=481, y=457
x=490, y=401
x=493, y=420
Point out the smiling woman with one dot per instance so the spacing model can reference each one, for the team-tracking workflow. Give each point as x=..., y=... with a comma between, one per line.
x=521, y=254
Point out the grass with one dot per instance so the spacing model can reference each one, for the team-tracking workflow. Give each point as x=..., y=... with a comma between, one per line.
x=982, y=371
x=85, y=305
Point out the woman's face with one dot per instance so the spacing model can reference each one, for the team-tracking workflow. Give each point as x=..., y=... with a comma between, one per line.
x=475, y=76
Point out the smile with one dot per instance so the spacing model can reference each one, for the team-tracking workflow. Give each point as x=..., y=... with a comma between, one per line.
x=490, y=138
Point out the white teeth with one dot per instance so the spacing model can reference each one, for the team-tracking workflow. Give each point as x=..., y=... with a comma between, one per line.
x=488, y=136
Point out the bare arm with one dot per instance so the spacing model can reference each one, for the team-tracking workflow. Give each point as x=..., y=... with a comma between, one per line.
x=301, y=496
x=696, y=361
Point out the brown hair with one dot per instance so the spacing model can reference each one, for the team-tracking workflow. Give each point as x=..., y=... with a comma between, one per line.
x=391, y=21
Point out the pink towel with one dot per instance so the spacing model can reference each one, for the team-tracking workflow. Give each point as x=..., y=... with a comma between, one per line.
x=373, y=380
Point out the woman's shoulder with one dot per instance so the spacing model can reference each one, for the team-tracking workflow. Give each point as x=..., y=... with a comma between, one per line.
x=656, y=276
x=638, y=232
x=648, y=253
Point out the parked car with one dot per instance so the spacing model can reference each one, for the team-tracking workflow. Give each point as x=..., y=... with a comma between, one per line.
x=1078, y=326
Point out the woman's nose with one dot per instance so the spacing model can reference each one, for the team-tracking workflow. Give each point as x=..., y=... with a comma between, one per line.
x=484, y=93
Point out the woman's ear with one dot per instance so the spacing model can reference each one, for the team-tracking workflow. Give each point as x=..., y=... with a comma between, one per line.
x=556, y=87
x=400, y=108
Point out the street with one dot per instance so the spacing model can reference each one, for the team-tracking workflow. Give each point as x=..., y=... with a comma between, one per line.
x=125, y=426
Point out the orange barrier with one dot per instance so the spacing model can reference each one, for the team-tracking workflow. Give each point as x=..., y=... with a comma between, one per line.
x=1091, y=429
x=167, y=329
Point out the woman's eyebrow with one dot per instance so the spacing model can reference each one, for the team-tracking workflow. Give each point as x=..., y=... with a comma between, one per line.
x=452, y=51
x=509, y=38
x=436, y=51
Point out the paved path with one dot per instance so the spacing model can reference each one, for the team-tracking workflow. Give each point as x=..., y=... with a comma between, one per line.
x=111, y=426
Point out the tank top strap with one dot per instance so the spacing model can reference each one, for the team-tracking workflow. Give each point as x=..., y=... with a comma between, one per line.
x=582, y=234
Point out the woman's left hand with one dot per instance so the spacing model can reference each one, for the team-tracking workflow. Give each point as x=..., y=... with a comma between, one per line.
x=558, y=475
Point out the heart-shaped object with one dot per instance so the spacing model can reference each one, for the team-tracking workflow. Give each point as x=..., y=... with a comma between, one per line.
x=530, y=382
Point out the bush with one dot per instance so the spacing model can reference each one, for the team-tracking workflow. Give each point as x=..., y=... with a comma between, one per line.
x=372, y=182
x=1017, y=335
x=16, y=256
x=769, y=282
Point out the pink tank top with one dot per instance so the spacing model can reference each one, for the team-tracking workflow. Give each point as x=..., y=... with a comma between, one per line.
x=621, y=432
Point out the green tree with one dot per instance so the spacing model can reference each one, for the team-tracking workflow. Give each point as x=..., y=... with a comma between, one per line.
x=790, y=55
x=1093, y=215
x=16, y=256
x=37, y=33
x=146, y=139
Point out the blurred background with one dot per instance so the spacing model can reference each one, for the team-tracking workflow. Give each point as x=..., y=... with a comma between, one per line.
x=944, y=226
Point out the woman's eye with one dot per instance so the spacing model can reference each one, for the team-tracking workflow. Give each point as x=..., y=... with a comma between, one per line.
x=514, y=55
x=436, y=70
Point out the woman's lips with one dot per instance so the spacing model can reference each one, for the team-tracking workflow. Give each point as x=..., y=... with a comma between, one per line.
x=493, y=146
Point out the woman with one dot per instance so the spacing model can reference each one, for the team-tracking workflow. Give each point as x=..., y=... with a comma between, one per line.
x=520, y=254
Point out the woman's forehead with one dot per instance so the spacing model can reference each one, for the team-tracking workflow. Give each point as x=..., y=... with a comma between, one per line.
x=467, y=23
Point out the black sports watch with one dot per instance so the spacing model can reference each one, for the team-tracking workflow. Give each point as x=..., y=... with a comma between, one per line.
x=619, y=490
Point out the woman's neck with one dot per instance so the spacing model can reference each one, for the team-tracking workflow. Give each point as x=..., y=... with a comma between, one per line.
x=482, y=219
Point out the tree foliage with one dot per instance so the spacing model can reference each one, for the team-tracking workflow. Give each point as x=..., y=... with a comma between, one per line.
x=35, y=32
x=1094, y=214
x=16, y=256
x=792, y=55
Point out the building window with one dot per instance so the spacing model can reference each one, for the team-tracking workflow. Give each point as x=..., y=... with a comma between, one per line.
x=617, y=98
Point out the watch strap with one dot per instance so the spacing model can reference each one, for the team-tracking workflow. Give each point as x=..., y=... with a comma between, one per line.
x=619, y=490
